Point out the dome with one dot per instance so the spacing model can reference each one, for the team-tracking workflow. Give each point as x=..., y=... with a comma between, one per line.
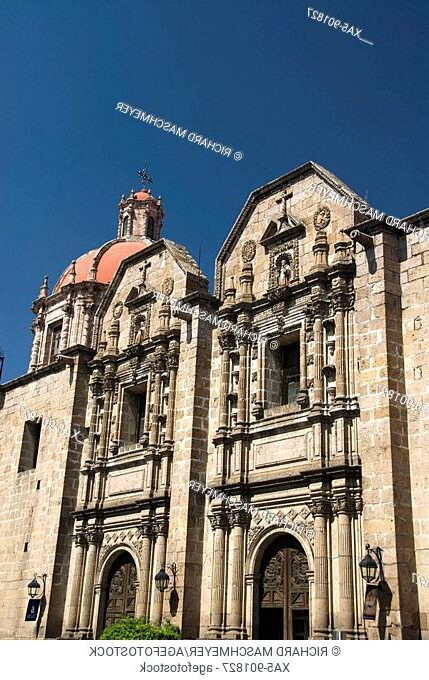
x=143, y=195
x=108, y=259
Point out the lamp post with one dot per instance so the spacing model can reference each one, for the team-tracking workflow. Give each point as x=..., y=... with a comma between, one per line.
x=34, y=587
x=1, y=361
x=36, y=602
x=372, y=569
x=162, y=579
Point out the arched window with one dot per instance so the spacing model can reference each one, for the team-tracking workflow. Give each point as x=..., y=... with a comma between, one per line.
x=125, y=223
x=150, y=227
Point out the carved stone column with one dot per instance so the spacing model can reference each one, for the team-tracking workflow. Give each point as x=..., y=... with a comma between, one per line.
x=37, y=328
x=159, y=563
x=343, y=508
x=87, y=323
x=159, y=368
x=226, y=343
x=79, y=553
x=303, y=391
x=96, y=388
x=146, y=531
x=219, y=525
x=340, y=358
x=109, y=385
x=320, y=510
x=243, y=381
x=318, y=396
x=173, y=364
x=94, y=539
x=148, y=401
x=238, y=521
x=68, y=311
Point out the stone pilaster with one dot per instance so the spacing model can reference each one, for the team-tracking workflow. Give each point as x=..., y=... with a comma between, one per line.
x=154, y=426
x=318, y=396
x=343, y=508
x=303, y=391
x=226, y=343
x=161, y=532
x=147, y=534
x=320, y=510
x=94, y=540
x=238, y=522
x=219, y=525
x=173, y=364
x=243, y=381
x=340, y=357
x=79, y=548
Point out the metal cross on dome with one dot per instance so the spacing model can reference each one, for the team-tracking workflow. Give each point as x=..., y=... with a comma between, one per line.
x=144, y=176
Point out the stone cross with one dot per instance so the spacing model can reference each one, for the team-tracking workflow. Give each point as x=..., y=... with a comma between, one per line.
x=143, y=270
x=283, y=202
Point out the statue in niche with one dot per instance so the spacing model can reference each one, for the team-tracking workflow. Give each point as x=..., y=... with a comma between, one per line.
x=141, y=333
x=284, y=271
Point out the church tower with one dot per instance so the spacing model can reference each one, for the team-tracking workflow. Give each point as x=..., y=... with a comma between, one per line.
x=140, y=216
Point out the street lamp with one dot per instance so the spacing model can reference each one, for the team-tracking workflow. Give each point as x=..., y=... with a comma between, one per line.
x=34, y=587
x=1, y=362
x=162, y=579
x=370, y=566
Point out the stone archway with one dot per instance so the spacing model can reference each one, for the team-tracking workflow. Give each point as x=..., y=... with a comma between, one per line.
x=120, y=589
x=281, y=590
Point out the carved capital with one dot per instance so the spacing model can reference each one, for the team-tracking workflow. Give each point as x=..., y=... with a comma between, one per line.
x=226, y=341
x=161, y=527
x=147, y=530
x=95, y=536
x=173, y=360
x=218, y=521
x=320, y=508
x=80, y=539
x=239, y=518
x=344, y=505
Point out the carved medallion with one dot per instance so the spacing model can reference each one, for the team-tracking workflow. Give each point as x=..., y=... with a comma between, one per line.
x=117, y=310
x=168, y=285
x=248, y=251
x=322, y=217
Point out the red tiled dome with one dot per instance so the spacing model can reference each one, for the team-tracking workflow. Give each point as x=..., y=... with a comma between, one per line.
x=143, y=195
x=107, y=265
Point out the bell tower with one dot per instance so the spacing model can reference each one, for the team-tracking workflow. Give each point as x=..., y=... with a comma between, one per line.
x=141, y=214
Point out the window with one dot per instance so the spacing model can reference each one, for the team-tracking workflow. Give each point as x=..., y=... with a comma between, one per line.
x=54, y=341
x=133, y=416
x=150, y=227
x=30, y=445
x=141, y=408
x=290, y=373
x=125, y=224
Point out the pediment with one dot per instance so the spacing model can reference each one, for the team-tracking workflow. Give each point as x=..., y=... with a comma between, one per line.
x=282, y=230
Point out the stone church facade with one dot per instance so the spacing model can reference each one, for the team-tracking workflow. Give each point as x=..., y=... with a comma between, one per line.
x=139, y=419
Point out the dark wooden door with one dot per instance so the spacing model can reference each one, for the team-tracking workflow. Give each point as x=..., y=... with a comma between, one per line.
x=283, y=613
x=121, y=589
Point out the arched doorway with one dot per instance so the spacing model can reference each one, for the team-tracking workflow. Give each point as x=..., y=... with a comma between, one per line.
x=121, y=589
x=284, y=591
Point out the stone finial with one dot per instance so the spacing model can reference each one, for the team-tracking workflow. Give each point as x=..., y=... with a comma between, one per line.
x=44, y=288
x=113, y=337
x=164, y=315
x=320, y=250
x=246, y=283
x=102, y=346
x=72, y=274
x=230, y=294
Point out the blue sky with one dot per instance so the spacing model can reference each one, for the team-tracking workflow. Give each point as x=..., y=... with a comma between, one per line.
x=258, y=76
